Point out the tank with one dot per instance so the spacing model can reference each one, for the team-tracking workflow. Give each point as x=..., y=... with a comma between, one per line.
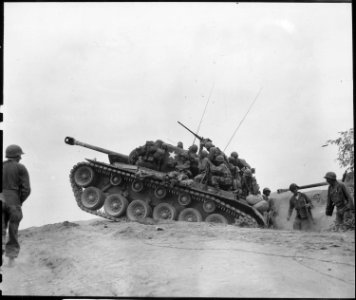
x=124, y=187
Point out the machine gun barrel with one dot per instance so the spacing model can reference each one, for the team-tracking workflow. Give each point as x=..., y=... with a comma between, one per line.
x=72, y=141
x=193, y=133
x=279, y=191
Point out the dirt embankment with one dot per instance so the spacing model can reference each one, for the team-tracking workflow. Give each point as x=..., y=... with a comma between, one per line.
x=103, y=258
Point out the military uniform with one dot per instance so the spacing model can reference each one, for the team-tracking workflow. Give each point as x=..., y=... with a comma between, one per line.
x=16, y=189
x=221, y=176
x=249, y=185
x=302, y=204
x=339, y=196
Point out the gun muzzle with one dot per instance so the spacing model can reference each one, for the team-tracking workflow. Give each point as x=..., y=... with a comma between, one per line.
x=69, y=140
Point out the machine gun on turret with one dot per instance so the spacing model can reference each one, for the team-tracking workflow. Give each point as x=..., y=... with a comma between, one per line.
x=200, y=138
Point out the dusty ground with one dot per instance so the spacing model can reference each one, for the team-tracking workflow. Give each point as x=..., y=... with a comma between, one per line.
x=103, y=258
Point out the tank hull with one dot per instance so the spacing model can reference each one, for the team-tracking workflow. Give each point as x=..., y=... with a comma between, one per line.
x=119, y=190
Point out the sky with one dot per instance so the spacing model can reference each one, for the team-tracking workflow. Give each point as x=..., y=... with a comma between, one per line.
x=117, y=74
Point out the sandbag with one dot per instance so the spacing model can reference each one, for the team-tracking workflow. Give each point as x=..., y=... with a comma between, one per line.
x=253, y=199
x=261, y=206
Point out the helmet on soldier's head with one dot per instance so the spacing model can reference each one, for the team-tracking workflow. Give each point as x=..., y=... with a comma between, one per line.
x=159, y=143
x=330, y=175
x=234, y=154
x=266, y=190
x=209, y=144
x=293, y=186
x=13, y=151
x=219, y=158
x=180, y=145
x=248, y=173
x=193, y=148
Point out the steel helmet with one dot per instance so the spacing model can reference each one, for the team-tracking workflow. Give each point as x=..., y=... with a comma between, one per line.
x=330, y=175
x=13, y=151
x=234, y=154
x=293, y=186
x=209, y=144
x=193, y=148
x=265, y=190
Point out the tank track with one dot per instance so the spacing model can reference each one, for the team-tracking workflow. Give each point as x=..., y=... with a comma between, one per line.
x=107, y=170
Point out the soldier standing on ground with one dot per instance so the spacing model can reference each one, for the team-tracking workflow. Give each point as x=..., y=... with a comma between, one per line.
x=16, y=189
x=302, y=204
x=339, y=196
x=271, y=212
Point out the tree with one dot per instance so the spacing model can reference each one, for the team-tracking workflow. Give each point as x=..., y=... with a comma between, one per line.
x=345, y=143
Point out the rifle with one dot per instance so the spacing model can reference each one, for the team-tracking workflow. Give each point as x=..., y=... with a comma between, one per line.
x=200, y=138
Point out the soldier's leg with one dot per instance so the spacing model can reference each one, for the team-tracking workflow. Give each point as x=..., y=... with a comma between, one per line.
x=297, y=224
x=305, y=224
x=5, y=216
x=339, y=217
x=12, y=247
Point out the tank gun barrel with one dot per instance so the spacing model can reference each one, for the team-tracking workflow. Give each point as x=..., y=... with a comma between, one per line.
x=279, y=191
x=119, y=157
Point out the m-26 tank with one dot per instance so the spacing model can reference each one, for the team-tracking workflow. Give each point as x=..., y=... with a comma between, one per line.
x=123, y=187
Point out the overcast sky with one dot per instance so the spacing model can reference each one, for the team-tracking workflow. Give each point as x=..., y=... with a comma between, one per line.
x=117, y=74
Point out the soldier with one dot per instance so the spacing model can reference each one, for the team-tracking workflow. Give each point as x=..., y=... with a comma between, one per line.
x=203, y=167
x=303, y=205
x=271, y=212
x=238, y=162
x=339, y=196
x=194, y=159
x=249, y=184
x=221, y=175
x=214, y=152
x=16, y=189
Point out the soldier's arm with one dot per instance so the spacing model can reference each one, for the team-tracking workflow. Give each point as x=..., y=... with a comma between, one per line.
x=25, y=188
x=308, y=201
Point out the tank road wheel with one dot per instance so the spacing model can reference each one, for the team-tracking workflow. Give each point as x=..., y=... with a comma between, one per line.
x=209, y=206
x=216, y=218
x=92, y=198
x=115, y=205
x=84, y=176
x=164, y=211
x=137, y=186
x=190, y=215
x=115, y=179
x=184, y=199
x=160, y=192
x=138, y=209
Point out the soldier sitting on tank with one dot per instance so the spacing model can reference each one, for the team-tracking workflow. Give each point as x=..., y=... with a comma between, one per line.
x=214, y=152
x=151, y=155
x=203, y=167
x=249, y=184
x=238, y=162
x=220, y=175
x=193, y=159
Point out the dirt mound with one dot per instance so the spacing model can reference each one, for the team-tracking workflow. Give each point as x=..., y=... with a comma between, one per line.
x=164, y=259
